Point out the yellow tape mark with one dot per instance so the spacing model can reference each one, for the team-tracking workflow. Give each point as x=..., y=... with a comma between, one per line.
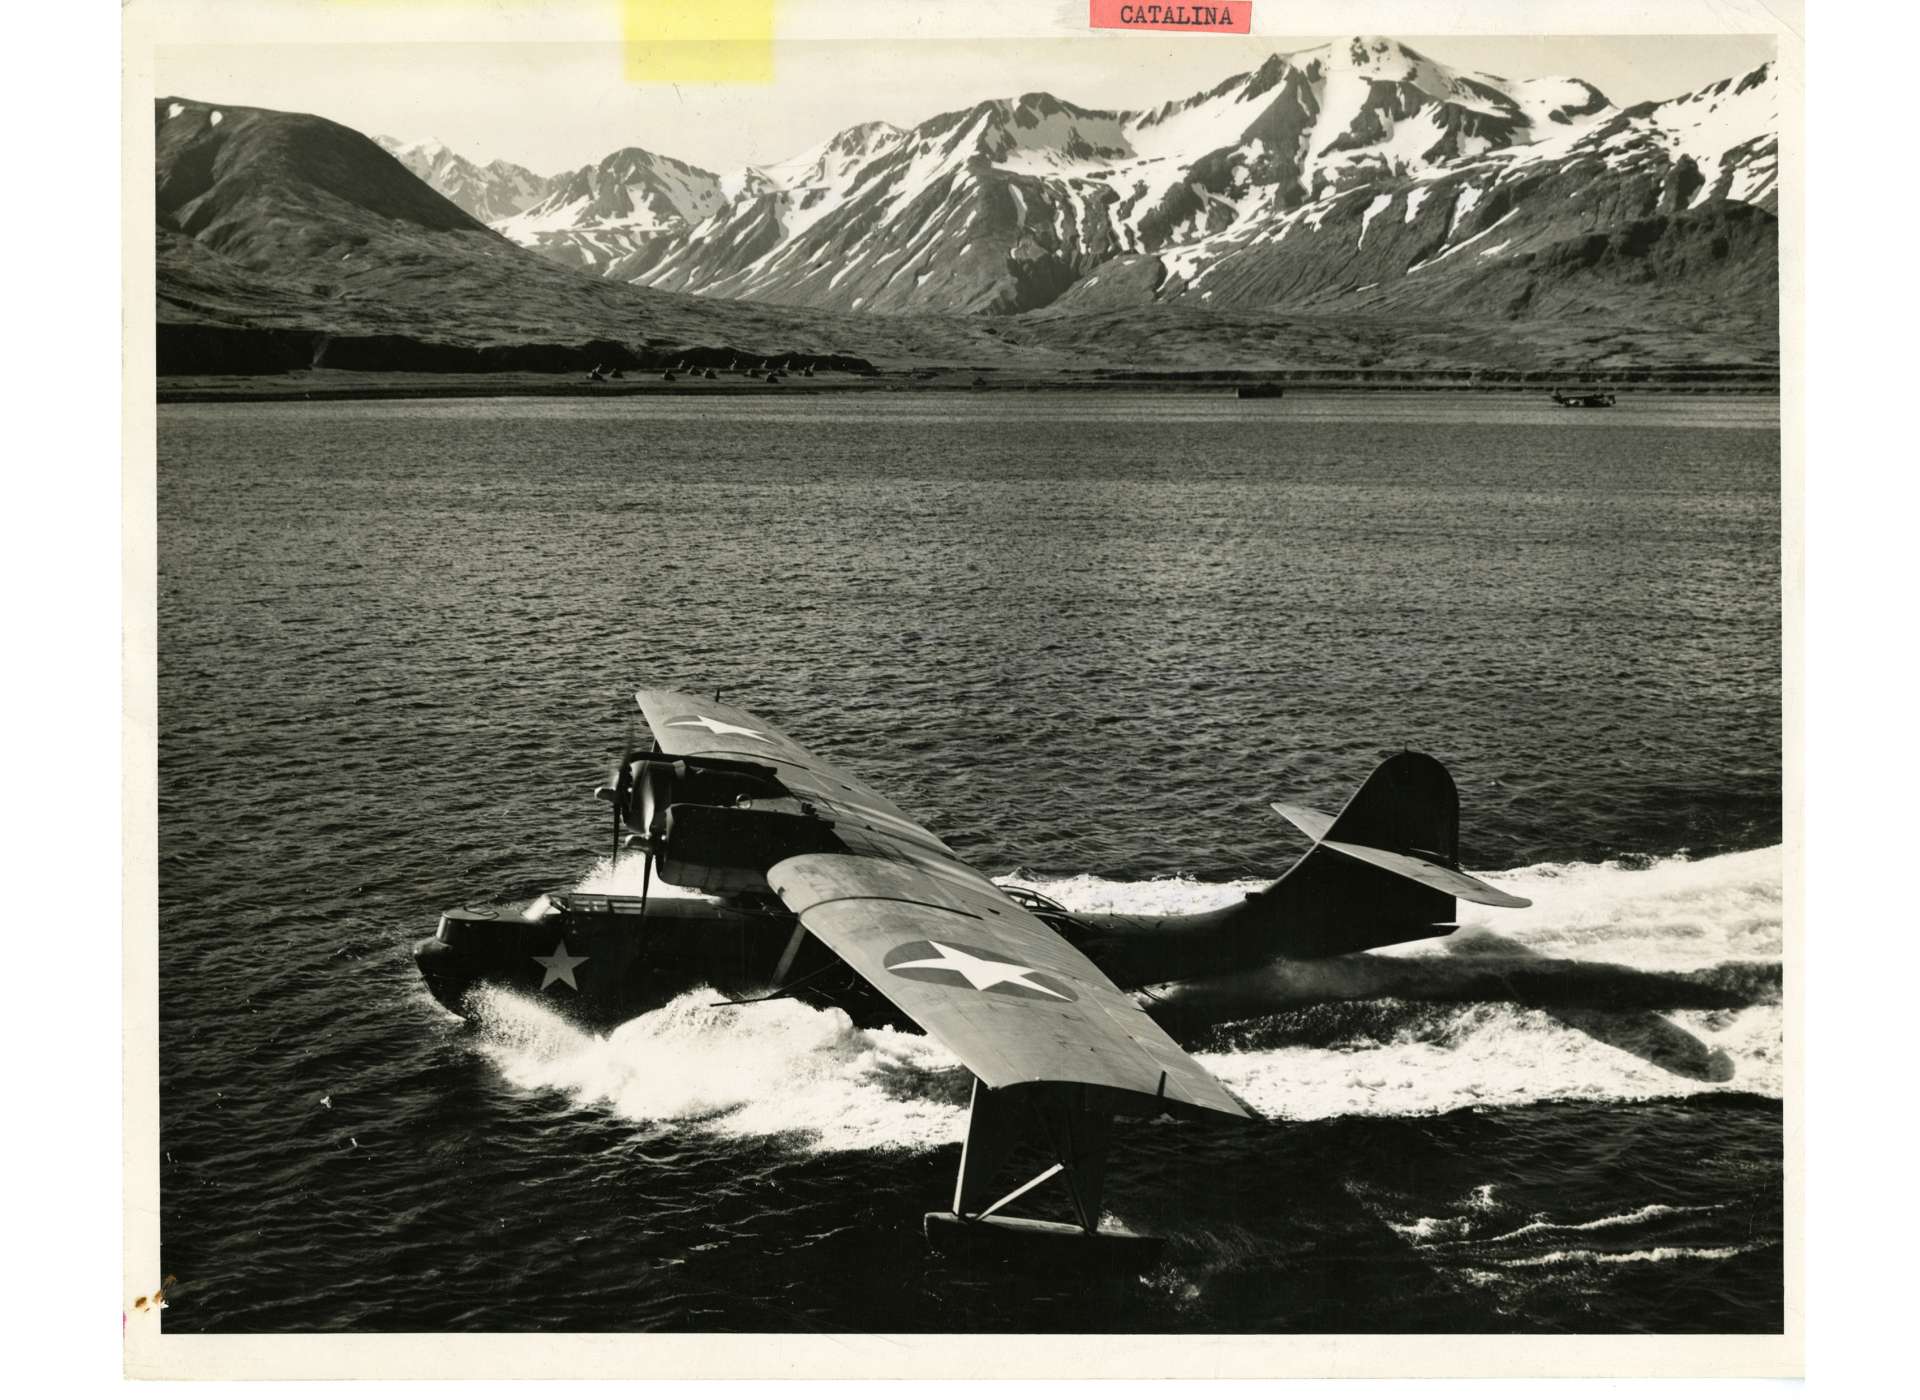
x=698, y=41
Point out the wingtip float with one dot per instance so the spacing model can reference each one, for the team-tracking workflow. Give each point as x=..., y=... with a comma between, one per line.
x=828, y=892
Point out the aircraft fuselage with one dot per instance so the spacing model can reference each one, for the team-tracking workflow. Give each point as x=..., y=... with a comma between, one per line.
x=598, y=960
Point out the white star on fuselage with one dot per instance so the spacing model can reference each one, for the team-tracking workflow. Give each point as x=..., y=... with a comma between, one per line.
x=981, y=973
x=559, y=967
x=716, y=727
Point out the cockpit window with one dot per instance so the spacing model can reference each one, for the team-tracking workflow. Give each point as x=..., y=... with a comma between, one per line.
x=1032, y=900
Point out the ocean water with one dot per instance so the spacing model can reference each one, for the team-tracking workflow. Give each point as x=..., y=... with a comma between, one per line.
x=1087, y=638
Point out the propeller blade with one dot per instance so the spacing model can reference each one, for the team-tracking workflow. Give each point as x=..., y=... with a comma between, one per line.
x=622, y=785
x=646, y=879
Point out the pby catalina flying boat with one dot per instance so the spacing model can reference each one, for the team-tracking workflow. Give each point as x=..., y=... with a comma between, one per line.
x=829, y=893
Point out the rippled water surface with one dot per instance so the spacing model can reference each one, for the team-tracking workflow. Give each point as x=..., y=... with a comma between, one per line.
x=1084, y=637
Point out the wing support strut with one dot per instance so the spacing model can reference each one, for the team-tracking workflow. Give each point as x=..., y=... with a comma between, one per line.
x=1073, y=1126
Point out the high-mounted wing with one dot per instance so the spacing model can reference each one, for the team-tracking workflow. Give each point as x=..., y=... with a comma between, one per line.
x=692, y=726
x=999, y=988
x=1005, y=993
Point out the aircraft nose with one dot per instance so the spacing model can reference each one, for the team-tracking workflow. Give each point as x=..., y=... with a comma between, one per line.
x=447, y=974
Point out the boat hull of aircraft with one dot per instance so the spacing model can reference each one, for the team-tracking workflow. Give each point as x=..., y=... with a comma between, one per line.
x=747, y=953
x=601, y=956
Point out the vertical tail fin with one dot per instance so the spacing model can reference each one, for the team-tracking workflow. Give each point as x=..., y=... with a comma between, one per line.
x=1385, y=870
x=1409, y=804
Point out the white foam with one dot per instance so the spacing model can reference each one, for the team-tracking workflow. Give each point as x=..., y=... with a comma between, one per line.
x=1671, y=914
x=1674, y=915
x=1483, y=1056
x=627, y=878
x=1658, y=1255
x=769, y=1070
x=1541, y=1225
x=1174, y=895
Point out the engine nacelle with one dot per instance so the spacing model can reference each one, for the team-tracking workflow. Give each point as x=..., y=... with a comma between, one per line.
x=727, y=850
x=659, y=783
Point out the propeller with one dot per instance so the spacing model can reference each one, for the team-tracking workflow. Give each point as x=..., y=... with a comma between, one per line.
x=644, y=780
x=618, y=790
x=652, y=821
x=619, y=799
x=622, y=786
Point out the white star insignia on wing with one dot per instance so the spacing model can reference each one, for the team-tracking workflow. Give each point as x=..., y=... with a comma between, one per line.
x=559, y=967
x=716, y=727
x=981, y=973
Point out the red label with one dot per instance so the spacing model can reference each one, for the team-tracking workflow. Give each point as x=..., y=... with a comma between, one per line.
x=1224, y=17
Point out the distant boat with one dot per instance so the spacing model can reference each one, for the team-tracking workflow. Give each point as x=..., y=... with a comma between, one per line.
x=1595, y=400
x=1260, y=391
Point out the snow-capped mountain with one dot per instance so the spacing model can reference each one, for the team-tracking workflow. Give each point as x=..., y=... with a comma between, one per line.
x=488, y=192
x=1557, y=224
x=618, y=216
x=1336, y=172
x=768, y=207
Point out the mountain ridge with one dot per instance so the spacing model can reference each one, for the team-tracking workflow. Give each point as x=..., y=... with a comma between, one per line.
x=284, y=233
x=489, y=192
x=1373, y=214
x=1012, y=204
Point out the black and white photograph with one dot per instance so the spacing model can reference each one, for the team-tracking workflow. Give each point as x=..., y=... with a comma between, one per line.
x=1068, y=671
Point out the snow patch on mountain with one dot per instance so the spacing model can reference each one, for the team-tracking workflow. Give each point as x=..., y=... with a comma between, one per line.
x=1558, y=107
x=1715, y=127
x=1453, y=248
x=1209, y=121
x=1378, y=206
x=1463, y=205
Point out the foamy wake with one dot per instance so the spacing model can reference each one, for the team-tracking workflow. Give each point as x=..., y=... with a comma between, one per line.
x=1670, y=916
x=771, y=1070
x=1660, y=1254
x=1468, y=1227
x=782, y=1068
x=1483, y=1244
x=605, y=877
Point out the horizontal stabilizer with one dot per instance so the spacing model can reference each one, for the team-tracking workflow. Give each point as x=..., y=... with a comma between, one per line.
x=1315, y=824
x=1454, y=882
x=1386, y=870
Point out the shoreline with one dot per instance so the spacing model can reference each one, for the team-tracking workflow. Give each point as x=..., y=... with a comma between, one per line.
x=334, y=385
